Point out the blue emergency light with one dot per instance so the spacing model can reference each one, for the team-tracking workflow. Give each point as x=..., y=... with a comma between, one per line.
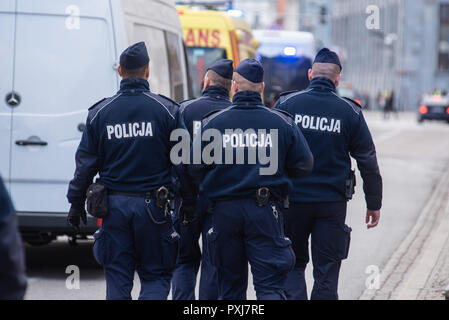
x=235, y=13
x=290, y=51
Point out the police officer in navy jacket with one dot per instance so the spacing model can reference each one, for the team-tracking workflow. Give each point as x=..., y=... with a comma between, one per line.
x=127, y=141
x=247, y=220
x=12, y=260
x=335, y=129
x=196, y=219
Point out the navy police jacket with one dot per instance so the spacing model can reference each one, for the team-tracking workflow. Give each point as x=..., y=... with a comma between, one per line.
x=249, y=123
x=127, y=141
x=192, y=112
x=12, y=261
x=335, y=129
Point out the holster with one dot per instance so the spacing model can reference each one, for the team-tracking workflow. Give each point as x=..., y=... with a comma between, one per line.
x=97, y=200
x=350, y=185
x=162, y=197
x=263, y=196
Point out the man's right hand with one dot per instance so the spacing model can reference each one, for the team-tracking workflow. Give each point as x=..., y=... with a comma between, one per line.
x=76, y=214
x=372, y=218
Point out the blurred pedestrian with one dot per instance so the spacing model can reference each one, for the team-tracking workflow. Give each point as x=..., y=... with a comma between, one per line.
x=389, y=105
x=12, y=260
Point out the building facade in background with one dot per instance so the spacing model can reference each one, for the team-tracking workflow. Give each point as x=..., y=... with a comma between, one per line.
x=407, y=53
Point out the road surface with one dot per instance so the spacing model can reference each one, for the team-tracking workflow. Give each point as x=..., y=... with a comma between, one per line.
x=412, y=159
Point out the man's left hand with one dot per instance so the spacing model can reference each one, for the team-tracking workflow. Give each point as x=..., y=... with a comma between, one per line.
x=372, y=218
x=76, y=214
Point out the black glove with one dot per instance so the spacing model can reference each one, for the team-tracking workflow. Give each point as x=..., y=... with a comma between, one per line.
x=187, y=214
x=77, y=213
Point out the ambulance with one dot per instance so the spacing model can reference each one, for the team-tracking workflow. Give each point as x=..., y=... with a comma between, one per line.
x=57, y=58
x=211, y=35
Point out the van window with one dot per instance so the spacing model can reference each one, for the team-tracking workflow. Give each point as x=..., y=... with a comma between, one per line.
x=175, y=65
x=199, y=59
x=157, y=49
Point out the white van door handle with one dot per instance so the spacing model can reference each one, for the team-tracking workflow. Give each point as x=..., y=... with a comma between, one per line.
x=24, y=143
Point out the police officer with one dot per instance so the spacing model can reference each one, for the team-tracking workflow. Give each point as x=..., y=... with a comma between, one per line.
x=335, y=129
x=12, y=266
x=217, y=86
x=127, y=141
x=247, y=221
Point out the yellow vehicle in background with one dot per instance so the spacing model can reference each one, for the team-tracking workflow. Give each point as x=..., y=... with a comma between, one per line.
x=211, y=35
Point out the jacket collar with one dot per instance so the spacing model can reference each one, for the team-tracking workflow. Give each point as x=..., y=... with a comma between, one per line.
x=216, y=92
x=324, y=84
x=247, y=98
x=133, y=85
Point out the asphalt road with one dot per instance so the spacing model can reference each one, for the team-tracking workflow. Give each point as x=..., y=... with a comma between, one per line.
x=412, y=158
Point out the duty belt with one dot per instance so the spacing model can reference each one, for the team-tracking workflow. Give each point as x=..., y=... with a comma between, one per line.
x=152, y=194
x=162, y=195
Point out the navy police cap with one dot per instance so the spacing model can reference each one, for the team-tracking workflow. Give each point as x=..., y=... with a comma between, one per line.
x=223, y=67
x=327, y=56
x=135, y=56
x=251, y=70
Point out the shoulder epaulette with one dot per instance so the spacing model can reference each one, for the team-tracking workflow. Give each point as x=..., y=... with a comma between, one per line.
x=354, y=105
x=211, y=113
x=187, y=100
x=353, y=101
x=97, y=103
x=284, y=112
x=284, y=115
x=169, y=99
x=289, y=94
x=186, y=103
x=286, y=93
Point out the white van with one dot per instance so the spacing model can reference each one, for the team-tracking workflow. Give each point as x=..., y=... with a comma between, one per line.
x=57, y=58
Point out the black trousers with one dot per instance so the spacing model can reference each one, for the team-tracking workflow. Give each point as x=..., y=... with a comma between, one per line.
x=324, y=223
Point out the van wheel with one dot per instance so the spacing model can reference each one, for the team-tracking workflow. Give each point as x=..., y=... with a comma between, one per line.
x=420, y=120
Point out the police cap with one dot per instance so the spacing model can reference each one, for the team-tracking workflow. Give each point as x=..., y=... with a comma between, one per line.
x=223, y=67
x=327, y=56
x=135, y=56
x=251, y=70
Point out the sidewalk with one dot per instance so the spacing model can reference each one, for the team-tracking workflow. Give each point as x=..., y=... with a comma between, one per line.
x=419, y=269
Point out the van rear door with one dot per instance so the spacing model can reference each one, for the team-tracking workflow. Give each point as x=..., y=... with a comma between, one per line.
x=64, y=62
x=7, y=98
